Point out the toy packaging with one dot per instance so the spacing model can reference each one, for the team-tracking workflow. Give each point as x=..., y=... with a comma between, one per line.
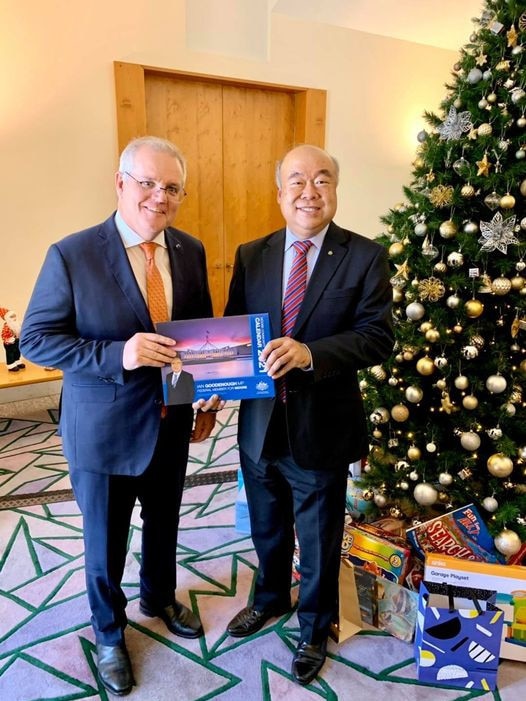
x=461, y=533
x=377, y=551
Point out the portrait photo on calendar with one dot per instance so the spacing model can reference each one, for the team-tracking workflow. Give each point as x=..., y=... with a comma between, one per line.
x=217, y=355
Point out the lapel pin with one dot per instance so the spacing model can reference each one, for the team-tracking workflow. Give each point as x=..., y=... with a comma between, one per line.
x=329, y=253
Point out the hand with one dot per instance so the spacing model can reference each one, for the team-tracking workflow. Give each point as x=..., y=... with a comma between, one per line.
x=284, y=354
x=214, y=404
x=150, y=349
x=204, y=423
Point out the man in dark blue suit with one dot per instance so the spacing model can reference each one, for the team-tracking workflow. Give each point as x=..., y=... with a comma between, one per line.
x=89, y=316
x=295, y=451
x=180, y=385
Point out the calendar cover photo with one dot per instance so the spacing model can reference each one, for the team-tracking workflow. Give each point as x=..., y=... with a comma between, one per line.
x=219, y=355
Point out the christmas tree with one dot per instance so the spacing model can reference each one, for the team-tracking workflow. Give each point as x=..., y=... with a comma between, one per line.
x=447, y=411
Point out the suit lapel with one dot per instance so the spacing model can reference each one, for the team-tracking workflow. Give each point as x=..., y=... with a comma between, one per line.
x=115, y=254
x=334, y=249
x=272, y=259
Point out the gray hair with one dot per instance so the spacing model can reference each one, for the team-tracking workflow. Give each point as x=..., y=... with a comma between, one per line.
x=333, y=160
x=155, y=143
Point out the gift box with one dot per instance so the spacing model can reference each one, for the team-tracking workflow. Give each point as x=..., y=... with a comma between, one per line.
x=377, y=551
x=509, y=581
x=458, y=636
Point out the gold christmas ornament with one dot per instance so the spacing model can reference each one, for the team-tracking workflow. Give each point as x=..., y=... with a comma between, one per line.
x=461, y=382
x=414, y=453
x=474, y=308
x=378, y=372
x=400, y=413
x=425, y=366
x=499, y=465
x=396, y=249
x=448, y=229
x=470, y=402
x=484, y=129
x=517, y=282
x=398, y=295
x=431, y=289
x=467, y=191
x=507, y=202
x=433, y=335
x=441, y=195
x=522, y=187
x=522, y=367
x=483, y=166
x=501, y=285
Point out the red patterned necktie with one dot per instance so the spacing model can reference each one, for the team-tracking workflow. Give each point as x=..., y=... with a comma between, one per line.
x=156, y=298
x=296, y=285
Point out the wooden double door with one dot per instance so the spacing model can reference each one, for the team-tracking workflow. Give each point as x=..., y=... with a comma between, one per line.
x=232, y=134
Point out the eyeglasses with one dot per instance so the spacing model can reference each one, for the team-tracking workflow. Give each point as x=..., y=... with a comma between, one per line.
x=176, y=192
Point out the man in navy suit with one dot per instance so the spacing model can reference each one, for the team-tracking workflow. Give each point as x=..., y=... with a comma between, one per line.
x=180, y=385
x=295, y=453
x=88, y=316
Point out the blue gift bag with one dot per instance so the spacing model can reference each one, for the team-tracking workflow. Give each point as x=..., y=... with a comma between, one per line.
x=458, y=636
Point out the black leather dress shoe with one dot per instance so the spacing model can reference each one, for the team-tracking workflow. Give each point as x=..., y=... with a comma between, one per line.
x=307, y=661
x=114, y=667
x=249, y=620
x=178, y=618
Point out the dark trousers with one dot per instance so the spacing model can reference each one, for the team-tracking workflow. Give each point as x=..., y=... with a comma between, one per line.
x=106, y=503
x=282, y=497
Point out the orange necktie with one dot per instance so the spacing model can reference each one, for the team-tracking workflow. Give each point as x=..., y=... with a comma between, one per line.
x=156, y=298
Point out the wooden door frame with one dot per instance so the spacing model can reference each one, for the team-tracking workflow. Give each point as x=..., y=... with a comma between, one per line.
x=130, y=90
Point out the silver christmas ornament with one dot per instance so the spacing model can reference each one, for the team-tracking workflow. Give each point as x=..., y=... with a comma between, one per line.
x=494, y=433
x=415, y=311
x=425, y=494
x=445, y=479
x=508, y=542
x=414, y=394
x=470, y=440
x=453, y=301
x=490, y=504
x=496, y=384
x=380, y=500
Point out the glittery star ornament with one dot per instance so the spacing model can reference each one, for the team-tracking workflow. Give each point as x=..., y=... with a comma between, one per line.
x=497, y=234
x=484, y=166
x=512, y=36
x=455, y=124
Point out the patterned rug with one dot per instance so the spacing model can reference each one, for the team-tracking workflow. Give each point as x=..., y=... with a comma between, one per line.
x=46, y=642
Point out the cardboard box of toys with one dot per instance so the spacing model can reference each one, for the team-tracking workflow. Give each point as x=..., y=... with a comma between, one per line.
x=377, y=551
x=509, y=581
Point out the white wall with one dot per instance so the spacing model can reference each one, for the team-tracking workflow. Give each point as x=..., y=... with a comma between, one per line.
x=58, y=141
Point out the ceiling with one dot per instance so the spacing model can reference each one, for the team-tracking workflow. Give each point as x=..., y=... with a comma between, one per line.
x=442, y=23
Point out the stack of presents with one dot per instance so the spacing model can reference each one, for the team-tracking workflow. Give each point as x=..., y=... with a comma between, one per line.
x=440, y=585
